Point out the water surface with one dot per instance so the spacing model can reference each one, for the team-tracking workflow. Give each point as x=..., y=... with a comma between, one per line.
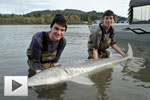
x=125, y=81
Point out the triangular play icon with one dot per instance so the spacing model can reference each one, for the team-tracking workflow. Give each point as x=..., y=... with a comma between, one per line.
x=15, y=85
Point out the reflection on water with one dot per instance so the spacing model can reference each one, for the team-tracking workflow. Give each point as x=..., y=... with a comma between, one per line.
x=137, y=69
x=53, y=93
x=135, y=65
x=102, y=79
x=125, y=81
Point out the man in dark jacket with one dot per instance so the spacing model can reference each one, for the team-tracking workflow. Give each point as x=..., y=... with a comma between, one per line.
x=46, y=47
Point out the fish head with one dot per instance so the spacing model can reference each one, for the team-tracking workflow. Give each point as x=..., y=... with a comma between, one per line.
x=48, y=77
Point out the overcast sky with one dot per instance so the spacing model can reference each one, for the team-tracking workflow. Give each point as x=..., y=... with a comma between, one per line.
x=120, y=7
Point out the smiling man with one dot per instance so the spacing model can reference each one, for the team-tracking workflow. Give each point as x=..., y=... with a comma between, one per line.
x=46, y=47
x=102, y=36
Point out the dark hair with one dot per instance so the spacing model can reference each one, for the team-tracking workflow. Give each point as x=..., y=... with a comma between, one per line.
x=59, y=19
x=109, y=13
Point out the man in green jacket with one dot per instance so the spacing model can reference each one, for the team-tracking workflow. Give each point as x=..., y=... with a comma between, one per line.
x=102, y=36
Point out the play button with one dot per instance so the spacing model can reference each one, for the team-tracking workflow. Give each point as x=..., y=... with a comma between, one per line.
x=15, y=86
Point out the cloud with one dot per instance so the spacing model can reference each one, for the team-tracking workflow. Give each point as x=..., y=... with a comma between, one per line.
x=25, y=6
x=120, y=7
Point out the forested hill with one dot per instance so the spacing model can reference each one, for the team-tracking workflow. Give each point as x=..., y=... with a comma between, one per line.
x=46, y=16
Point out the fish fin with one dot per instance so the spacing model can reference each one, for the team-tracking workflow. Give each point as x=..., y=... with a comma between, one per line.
x=82, y=80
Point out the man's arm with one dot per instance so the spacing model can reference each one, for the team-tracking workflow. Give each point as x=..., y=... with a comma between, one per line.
x=95, y=53
x=55, y=64
x=36, y=54
x=62, y=45
x=115, y=47
x=37, y=71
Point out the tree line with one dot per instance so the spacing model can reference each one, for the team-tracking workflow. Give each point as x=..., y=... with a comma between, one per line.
x=46, y=17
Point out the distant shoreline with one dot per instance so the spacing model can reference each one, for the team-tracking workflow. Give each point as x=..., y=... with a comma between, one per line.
x=46, y=17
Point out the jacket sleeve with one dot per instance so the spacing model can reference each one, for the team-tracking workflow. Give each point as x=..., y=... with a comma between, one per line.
x=96, y=36
x=113, y=41
x=62, y=45
x=36, y=49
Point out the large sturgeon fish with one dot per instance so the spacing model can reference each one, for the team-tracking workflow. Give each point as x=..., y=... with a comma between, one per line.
x=61, y=74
